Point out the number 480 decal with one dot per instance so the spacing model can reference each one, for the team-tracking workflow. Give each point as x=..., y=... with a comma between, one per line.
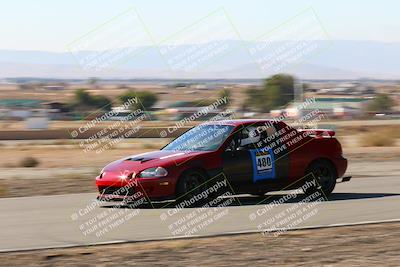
x=263, y=164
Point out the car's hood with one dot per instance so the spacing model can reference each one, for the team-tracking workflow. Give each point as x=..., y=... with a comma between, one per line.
x=143, y=161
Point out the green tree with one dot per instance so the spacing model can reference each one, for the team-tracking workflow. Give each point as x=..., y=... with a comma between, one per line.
x=83, y=100
x=381, y=103
x=145, y=98
x=82, y=97
x=102, y=102
x=276, y=92
x=255, y=99
x=279, y=90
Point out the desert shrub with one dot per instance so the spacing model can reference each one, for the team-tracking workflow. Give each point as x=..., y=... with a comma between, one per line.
x=150, y=146
x=29, y=162
x=379, y=138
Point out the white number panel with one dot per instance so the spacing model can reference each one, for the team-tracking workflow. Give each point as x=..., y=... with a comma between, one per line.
x=263, y=161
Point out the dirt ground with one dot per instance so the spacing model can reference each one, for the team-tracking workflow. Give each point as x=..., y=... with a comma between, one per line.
x=63, y=162
x=365, y=245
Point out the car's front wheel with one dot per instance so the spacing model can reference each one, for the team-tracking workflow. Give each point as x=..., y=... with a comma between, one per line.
x=189, y=186
x=323, y=175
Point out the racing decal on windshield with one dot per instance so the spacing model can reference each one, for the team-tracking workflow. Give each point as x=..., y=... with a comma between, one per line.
x=263, y=164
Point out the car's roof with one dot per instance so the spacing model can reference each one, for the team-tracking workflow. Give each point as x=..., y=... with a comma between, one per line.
x=238, y=122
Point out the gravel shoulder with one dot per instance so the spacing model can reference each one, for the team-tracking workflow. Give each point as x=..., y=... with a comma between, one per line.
x=364, y=245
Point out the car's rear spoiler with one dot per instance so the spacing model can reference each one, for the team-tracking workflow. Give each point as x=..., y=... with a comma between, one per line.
x=319, y=133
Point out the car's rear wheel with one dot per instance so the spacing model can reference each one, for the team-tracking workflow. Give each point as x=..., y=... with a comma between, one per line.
x=189, y=186
x=324, y=175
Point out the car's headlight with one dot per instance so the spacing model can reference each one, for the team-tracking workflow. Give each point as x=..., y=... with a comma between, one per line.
x=153, y=172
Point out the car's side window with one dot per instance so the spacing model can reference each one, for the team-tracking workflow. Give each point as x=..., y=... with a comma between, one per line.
x=270, y=133
x=256, y=136
x=253, y=136
x=248, y=138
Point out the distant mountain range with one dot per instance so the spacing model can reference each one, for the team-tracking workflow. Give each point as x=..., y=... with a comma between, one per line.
x=331, y=60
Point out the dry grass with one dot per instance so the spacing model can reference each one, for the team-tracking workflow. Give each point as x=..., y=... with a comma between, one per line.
x=362, y=129
x=386, y=138
x=3, y=190
x=151, y=146
x=71, y=183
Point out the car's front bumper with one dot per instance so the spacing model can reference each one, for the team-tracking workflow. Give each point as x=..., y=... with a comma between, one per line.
x=150, y=188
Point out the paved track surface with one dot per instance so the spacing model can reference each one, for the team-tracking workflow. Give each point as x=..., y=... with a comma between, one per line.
x=39, y=222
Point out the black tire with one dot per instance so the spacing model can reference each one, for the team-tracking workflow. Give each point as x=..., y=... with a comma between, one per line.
x=189, y=185
x=325, y=175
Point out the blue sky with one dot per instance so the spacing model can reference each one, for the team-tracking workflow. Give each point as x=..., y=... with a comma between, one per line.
x=52, y=25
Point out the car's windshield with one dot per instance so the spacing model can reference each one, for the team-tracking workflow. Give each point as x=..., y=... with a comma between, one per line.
x=201, y=138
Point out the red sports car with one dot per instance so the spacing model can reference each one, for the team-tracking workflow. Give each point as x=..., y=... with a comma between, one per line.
x=254, y=156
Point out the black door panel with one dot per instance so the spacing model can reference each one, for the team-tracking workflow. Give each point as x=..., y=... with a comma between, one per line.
x=238, y=167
